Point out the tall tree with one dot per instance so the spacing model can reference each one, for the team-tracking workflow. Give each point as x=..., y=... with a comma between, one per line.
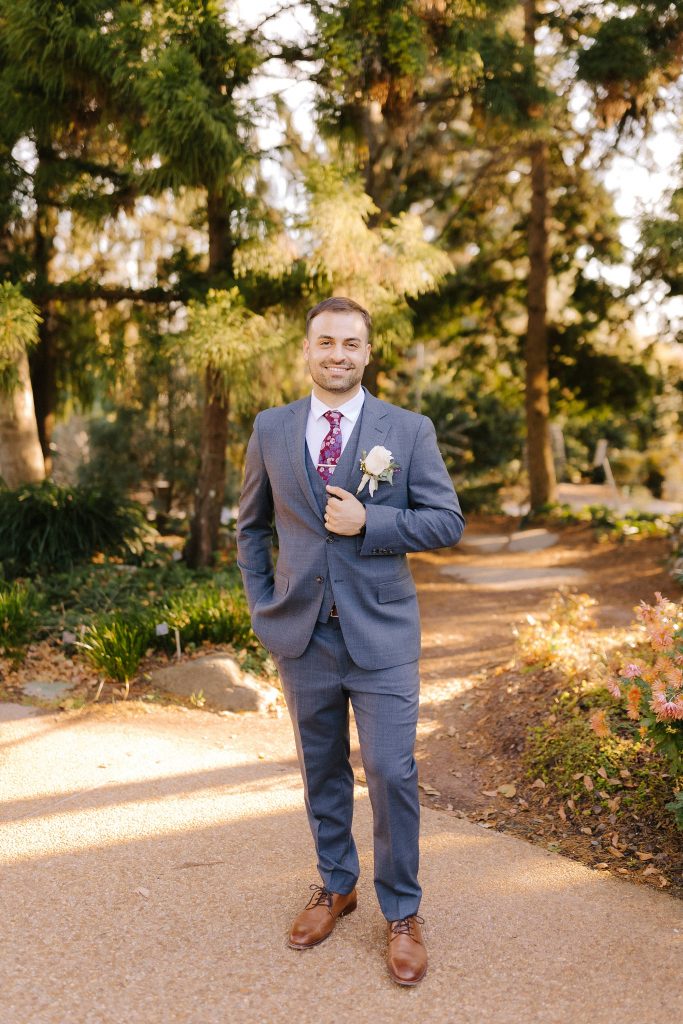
x=541, y=468
x=21, y=459
x=193, y=131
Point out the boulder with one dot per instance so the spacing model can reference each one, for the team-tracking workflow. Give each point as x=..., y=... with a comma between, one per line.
x=223, y=683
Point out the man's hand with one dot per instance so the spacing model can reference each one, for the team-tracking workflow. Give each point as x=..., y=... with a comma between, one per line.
x=344, y=513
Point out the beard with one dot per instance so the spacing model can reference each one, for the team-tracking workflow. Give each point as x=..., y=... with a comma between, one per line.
x=342, y=382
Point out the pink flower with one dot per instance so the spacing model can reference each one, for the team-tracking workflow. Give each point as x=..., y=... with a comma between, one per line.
x=667, y=709
x=631, y=671
x=613, y=687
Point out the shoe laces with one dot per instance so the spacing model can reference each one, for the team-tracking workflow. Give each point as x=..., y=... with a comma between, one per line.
x=320, y=896
x=404, y=926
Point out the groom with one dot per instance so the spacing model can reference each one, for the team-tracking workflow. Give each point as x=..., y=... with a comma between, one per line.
x=339, y=611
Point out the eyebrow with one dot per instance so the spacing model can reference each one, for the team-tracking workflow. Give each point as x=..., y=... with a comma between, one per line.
x=329, y=337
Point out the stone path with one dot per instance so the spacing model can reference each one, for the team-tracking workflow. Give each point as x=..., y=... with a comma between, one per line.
x=497, y=574
x=152, y=858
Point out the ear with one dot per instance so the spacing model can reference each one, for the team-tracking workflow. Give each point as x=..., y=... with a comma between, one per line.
x=367, y=355
x=305, y=347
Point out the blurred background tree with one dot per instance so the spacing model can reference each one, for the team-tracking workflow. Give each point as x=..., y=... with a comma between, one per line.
x=452, y=176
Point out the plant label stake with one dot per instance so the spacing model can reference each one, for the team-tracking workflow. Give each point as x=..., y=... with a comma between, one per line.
x=177, y=643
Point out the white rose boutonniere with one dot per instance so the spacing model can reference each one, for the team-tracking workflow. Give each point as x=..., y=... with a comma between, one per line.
x=377, y=465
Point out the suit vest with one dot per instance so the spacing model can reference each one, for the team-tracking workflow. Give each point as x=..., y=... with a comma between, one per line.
x=339, y=478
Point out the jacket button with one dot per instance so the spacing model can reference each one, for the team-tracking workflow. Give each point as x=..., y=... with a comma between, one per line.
x=319, y=579
x=330, y=540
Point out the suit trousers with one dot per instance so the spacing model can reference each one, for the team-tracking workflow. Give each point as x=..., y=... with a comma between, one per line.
x=318, y=687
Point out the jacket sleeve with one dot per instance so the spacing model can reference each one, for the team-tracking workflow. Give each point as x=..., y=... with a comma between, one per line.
x=433, y=518
x=255, y=524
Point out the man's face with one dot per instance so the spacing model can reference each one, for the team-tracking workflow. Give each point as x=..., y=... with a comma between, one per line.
x=337, y=350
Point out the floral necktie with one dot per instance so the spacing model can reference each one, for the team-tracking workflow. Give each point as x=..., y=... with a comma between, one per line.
x=331, y=448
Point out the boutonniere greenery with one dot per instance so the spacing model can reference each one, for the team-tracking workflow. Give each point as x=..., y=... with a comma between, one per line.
x=377, y=465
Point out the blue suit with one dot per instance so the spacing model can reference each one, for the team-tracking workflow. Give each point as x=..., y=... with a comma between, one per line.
x=369, y=654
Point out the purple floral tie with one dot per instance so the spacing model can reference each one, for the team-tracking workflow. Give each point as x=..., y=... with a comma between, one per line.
x=331, y=449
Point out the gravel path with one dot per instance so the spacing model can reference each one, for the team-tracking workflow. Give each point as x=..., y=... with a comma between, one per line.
x=152, y=859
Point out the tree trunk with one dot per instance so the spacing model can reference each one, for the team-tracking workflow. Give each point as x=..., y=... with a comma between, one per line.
x=21, y=459
x=542, y=483
x=203, y=539
x=44, y=359
x=44, y=379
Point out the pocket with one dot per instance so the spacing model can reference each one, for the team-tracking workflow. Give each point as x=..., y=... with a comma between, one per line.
x=281, y=584
x=395, y=590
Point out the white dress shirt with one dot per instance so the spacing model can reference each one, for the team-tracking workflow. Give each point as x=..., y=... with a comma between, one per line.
x=317, y=426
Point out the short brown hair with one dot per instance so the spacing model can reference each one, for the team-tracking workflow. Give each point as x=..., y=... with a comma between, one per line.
x=339, y=304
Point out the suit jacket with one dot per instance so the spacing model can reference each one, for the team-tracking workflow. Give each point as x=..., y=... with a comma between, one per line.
x=369, y=574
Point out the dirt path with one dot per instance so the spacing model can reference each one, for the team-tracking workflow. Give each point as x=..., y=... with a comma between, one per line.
x=152, y=860
x=152, y=857
x=474, y=716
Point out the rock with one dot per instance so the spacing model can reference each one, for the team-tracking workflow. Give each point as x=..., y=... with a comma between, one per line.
x=514, y=578
x=13, y=712
x=487, y=545
x=222, y=682
x=46, y=690
x=532, y=540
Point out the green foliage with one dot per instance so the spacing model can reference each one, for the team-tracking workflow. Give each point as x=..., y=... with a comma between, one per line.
x=19, y=604
x=228, y=341
x=661, y=253
x=115, y=644
x=47, y=527
x=481, y=498
x=19, y=321
x=564, y=750
x=607, y=522
x=209, y=613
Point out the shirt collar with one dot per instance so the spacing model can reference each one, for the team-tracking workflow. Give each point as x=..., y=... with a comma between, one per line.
x=351, y=409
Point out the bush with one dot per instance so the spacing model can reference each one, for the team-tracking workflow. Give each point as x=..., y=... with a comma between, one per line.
x=481, y=498
x=207, y=613
x=18, y=604
x=47, y=527
x=115, y=645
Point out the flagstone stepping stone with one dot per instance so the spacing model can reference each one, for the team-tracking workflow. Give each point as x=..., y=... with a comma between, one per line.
x=492, y=578
x=487, y=545
x=221, y=681
x=46, y=690
x=522, y=540
x=532, y=540
x=10, y=712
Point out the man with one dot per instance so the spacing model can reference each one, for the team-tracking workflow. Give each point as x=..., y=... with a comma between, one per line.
x=339, y=612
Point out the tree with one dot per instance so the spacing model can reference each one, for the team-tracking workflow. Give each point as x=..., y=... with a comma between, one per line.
x=542, y=483
x=58, y=104
x=21, y=459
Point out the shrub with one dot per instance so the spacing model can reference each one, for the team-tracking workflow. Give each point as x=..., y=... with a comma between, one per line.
x=208, y=613
x=115, y=645
x=650, y=686
x=480, y=498
x=18, y=604
x=47, y=527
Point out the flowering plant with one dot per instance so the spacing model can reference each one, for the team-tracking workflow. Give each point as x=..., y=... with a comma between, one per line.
x=377, y=465
x=652, y=685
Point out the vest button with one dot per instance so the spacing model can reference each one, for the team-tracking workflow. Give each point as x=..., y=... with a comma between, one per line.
x=319, y=579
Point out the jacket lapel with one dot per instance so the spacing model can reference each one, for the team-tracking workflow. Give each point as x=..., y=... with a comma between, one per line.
x=374, y=428
x=295, y=433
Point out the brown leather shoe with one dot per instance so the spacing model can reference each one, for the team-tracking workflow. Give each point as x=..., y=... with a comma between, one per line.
x=407, y=954
x=319, y=917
